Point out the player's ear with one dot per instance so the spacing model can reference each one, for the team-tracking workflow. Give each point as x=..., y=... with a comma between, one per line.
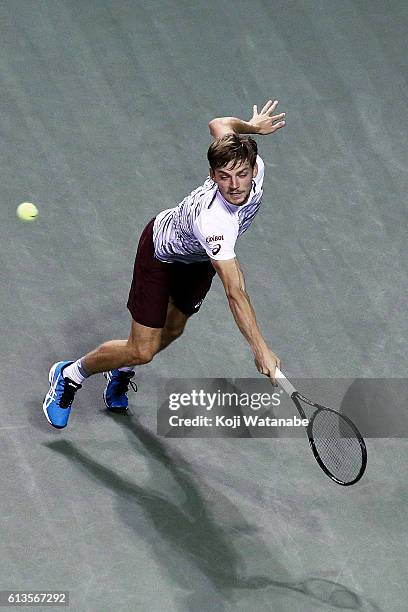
x=212, y=175
x=255, y=170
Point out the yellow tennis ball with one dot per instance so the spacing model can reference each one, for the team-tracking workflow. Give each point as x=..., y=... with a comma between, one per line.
x=27, y=211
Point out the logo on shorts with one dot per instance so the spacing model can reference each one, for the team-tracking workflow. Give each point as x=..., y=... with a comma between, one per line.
x=216, y=249
x=199, y=304
x=214, y=238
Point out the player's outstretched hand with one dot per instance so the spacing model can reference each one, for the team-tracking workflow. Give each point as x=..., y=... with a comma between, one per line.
x=265, y=122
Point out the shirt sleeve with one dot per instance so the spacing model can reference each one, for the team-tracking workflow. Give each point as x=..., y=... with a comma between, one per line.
x=261, y=171
x=216, y=234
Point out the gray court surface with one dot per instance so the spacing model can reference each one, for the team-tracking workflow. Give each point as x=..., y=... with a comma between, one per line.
x=104, y=107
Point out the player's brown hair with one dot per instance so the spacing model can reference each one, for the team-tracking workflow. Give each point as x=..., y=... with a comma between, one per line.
x=232, y=147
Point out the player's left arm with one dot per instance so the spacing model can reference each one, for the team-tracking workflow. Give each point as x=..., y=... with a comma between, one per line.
x=242, y=310
x=264, y=122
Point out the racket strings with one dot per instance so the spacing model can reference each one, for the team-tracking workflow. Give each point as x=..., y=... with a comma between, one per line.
x=337, y=445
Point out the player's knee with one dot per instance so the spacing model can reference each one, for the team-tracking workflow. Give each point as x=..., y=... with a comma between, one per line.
x=142, y=355
x=174, y=332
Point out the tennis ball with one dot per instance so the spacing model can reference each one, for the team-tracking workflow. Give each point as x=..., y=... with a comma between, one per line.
x=27, y=211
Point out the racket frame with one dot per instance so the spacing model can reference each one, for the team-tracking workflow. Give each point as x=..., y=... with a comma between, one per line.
x=296, y=397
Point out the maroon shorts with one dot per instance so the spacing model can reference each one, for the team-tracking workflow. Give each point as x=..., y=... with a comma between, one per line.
x=155, y=282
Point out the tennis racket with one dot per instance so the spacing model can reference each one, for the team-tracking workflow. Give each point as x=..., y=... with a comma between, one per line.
x=336, y=443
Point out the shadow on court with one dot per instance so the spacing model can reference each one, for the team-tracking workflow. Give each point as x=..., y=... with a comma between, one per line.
x=378, y=406
x=204, y=529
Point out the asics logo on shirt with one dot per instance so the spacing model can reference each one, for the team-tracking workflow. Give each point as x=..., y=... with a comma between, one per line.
x=216, y=249
x=214, y=238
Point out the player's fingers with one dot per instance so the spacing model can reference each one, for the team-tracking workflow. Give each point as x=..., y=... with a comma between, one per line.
x=266, y=106
x=255, y=109
x=269, y=106
x=277, y=117
x=277, y=126
x=272, y=109
x=272, y=376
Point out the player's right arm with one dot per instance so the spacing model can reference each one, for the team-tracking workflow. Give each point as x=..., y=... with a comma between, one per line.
x=234, y=284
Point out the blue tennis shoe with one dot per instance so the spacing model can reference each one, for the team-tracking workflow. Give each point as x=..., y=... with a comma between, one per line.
x=58, y=401
x=115, y=394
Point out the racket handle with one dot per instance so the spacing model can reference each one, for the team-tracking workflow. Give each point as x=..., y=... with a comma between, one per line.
x=284, y=383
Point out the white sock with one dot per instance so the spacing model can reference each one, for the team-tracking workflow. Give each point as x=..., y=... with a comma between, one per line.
x=76, y=372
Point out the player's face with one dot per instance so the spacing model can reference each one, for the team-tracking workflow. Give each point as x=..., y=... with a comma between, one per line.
x=235, y=183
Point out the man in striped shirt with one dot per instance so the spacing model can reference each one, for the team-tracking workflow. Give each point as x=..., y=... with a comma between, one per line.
x=179, y=252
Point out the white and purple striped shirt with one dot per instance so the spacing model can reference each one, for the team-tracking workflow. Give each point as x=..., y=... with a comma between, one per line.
x=204, y=225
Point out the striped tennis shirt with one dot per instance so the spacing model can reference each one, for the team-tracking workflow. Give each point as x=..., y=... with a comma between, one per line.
x=204, y=225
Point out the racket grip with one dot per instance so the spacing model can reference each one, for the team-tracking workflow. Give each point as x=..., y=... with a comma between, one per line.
x=284, y=383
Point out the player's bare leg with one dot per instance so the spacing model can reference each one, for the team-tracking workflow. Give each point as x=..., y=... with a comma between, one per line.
x=141, y=346
x=66, y=377
x=119, y=380
x=174, y=326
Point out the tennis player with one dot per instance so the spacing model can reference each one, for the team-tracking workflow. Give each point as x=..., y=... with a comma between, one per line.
x=179, y=252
